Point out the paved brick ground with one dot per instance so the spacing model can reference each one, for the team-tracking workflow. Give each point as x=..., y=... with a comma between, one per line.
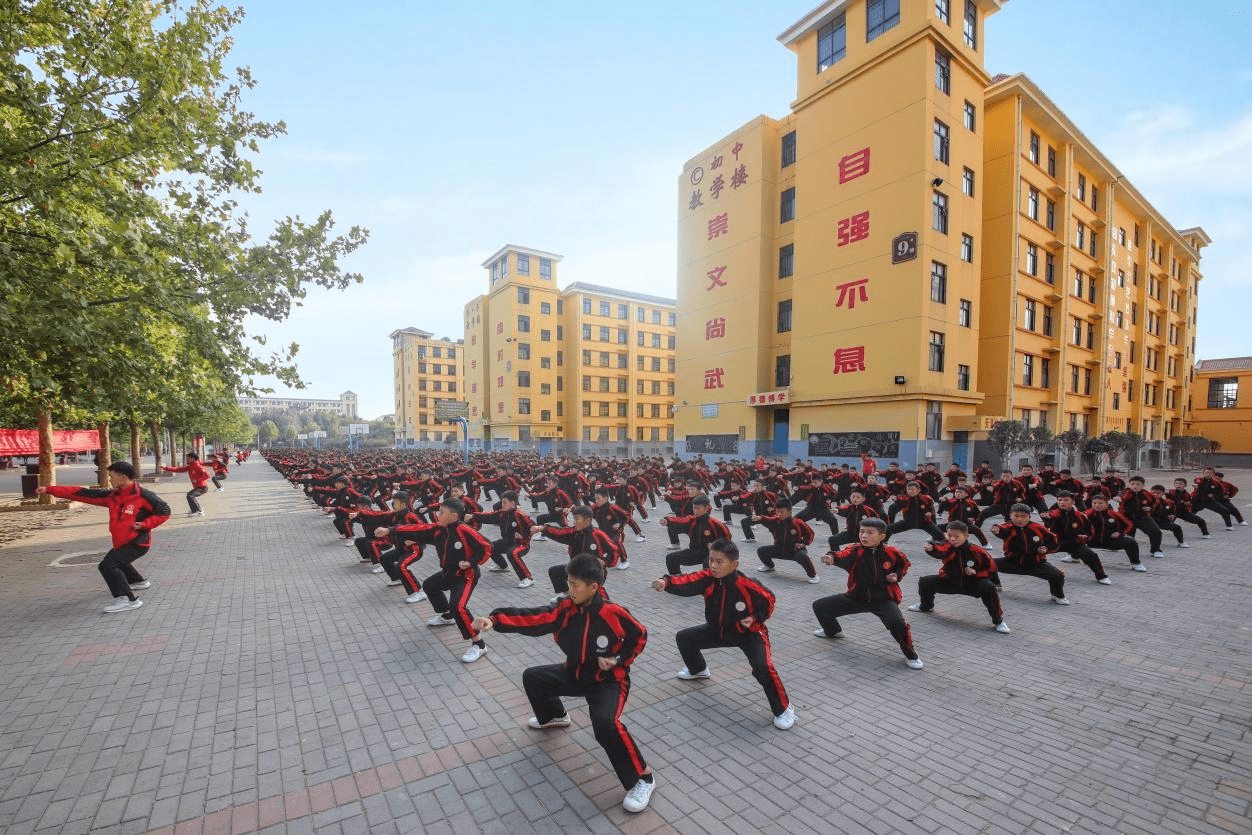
x=270, y=684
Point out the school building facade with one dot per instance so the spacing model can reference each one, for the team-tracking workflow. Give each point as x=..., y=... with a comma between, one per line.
x=583, y=370
x=896, y=264
x=426, y=370
x=1221, y=403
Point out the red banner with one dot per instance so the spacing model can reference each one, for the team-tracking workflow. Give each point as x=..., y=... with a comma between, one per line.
x=26, y=441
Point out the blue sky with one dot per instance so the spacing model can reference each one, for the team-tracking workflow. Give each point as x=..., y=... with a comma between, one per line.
x=449, y=130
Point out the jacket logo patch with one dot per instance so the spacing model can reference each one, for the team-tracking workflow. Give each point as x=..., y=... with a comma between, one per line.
x=740, y=606
x=602, y=641
x=128, y=511
x=886, y=565
x=458, y=545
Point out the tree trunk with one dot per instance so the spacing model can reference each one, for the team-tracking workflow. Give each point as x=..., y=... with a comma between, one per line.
x=156, y=447
x=105, y=454
x=47, y=461
x=135, y=449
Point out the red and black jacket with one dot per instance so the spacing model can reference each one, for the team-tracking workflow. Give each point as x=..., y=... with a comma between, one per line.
x=1008, y=492
x=1070, y=527
x=1136, y=505
x=790, y=534
x=127, y=505
x=854, y=513
x=961, y=510
x=703, y=531
x=727, y=600
x=453, y=543
x=612, y=520
x=868, y=569
x=1163, y=511
x=1022, y=544
x=815, y=496
x=514, y=525
x=956, y=558
x=1181, y=499
x=195, y=471
x=1108, y=525
x=587, y=541
x=915, y=510
x=599, y=629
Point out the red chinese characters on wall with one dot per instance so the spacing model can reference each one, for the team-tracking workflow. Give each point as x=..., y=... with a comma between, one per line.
x=499, y=327
x=500, y=407
x=849, y=360
x=697, y=200
x=851, y=292
x=719, y=225
x=715, y=328
x=713, y=378
x=853, y=229
x=738, y=178
x=715, y=277
x=855, y=164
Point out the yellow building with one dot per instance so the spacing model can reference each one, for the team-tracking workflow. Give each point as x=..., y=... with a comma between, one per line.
x=1221, y=407
x=828, y=267
x=426, y=371
x=587, y=369
x=1089, y=296
x=855, y=276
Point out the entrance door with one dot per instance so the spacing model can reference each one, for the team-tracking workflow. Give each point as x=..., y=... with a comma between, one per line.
x=781, y=418
x=960, y=450
x=545, y=446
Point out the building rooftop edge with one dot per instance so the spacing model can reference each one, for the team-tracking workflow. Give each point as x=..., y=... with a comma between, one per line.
x=613, y=291
x=1224, y=364
x=523, y=249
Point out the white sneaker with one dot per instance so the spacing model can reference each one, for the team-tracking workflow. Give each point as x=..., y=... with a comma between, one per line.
x=1105, y=581
x=672, y=547
x=1002, y=627
x=914, y=663
x=525, y=583
x=1061, y=601
x=765, y=569
x=498, y=568
x=191, y=513
x=917, y=607
x=785, y=720
x=221, y=490
x=686, y=676
x=1183, y=545
x=348, y=543
x=622, y=566
x=146, y=584
x=392, y=582
x=641, y=538
x=440, y=620
x=378, y=569
x=474, y=653
x=1230, y=527
x=123, y=604
x=559, y=722
x=821, y=633
x=416, y=597
x=814, y=579
x=1068, y=558
x=636, y=799
x=540, y=538
x=1206, y=536
x=1245, y=524
x=557, y=599
x=1139, y=567
x=1158, y=554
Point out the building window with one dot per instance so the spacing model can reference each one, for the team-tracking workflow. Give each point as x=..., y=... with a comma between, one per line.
x=586, y=331
x=523, y=264
x=1051, y=161
x=523, y=405
x=1034, y=147
x=1223, y=392
x=1095, y=197
x=586, y=307
x=606, y=308
x=1082, y=187
x=962, y=377
x=943, y=71
x=784, y=316
x=623, y=312
x=966, y=315
x=967, y=182
x=523, y=353
x=1032, y=204
x=1047, y=320
x=967, y=248
x=1032, y=259
x=523, y=293
x=936, y=351
x=1080, y=236
x=939, y=212
x=545, y=335
x=832, y=43
x=1049, y=268
x=938, y=282
x=545, y=268
x=941, y=142
x=622, y=336
x=523, y=324
x=787, y=206
x=641, y=314
x=880, y=15
x=934, y=420
x=789, y=149
x=786, y=261
x=656, y=340
x=605, y=335
x=971, y=115
x=782, y=371
x=523, y=379
x=1028, y=370
x=1029, y=319
x=1051, y=218
x=971, y=24
x=941, y=10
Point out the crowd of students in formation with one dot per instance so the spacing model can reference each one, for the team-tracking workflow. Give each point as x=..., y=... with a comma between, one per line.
x=394, y=507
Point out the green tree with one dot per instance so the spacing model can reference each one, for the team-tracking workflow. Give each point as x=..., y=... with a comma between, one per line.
x=268, y=433
x=1071, y=442
x=1008, y=438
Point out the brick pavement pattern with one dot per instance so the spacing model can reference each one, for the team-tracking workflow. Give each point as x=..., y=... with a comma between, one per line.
x=271, y=684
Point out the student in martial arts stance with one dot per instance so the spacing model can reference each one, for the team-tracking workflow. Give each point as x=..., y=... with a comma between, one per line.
x=600, y=639
x=735, y=610
x=1026, y=547
x=874, y=572
x=966, y=570
x=702, y=530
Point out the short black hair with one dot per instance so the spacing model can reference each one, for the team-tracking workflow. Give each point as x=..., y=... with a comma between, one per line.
x=511, y=495
x=700, y=501
x=782, y=504
x=124, y=467
x=400, y=496
x=958, y=525
x=455, y=505
x=726, y=547
x=583, y=511
x=585, y=568
x=1021, y=508
x=876, y=524
x=1065, y=494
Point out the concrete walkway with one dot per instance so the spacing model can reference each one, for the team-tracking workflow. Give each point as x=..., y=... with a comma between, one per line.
x=271, y=684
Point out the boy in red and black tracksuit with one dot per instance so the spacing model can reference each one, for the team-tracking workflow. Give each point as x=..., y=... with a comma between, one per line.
x=461, y=550
x=1137, y=505
x=628, y=499
x=1112, y=531
x=1006, y=492
x=133, y=512
x=876, y=495
x=756, y=503
x=735, y=610
x=961, y=508
x=1164, y=514
x=1229, y=491
x=1073, y=531
x=582, y=538
x=791, y=537
x=514, y=541
x=853, y=513
x=817, y=496
x=1112, y=482
x=966, y=569
x=199, y=477
x=367, y=545
x=1067, y=483
x=931, y=479
x=1032, y=490
x=917, y=511
x=1026, y=547
x=702, y=530
x=556, y=500
x=612, y=520
x=220, y=471
x=1183, y=510
x=600, y=640
x=874, y=573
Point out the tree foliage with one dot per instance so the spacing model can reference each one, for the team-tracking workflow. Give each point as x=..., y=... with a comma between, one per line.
x=1071, y=442
x=1008, y=438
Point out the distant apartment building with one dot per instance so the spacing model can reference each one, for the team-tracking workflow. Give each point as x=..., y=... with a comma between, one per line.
x=1221, y=408
x=587, y=369
x=345, y=406
x=426, y=370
